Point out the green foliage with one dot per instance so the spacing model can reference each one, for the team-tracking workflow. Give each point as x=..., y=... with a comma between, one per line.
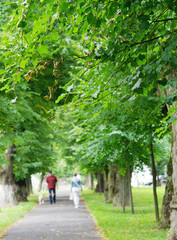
x=162, y=149
x=115, y=133
x=108, y=63
x=24, y=122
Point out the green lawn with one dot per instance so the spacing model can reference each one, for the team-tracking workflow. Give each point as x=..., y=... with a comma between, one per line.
x=125, y=226
x=10, y=215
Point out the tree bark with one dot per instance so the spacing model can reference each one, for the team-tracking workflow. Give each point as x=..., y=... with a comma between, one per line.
x=172, y=235
x=123, y=197
x=130, y=190
x=154, y=183
x=106, y=185
x=92, y=183
x=8, y=187
x=100, y=182
x=121, y=190
x=89, y=181
x=12, y=192
x=165, y=213
x=23, y=189
x=41, y=181
x=29, y=185
x=112, y=182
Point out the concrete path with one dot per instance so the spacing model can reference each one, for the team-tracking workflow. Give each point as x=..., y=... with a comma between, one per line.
x=56, y=221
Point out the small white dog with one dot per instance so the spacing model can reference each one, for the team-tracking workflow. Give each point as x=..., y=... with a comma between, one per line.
x=41, y=199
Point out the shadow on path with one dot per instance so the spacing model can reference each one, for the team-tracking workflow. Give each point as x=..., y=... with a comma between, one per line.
x=55, y=221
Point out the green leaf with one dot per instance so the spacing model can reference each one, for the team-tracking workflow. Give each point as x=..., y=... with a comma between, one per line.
x=138, y=90
x=22, y=24
x=43, y=49
x=141, y=57
x=166, y=73
x=172, y=119
x=54, y=36
x=166, y=56
x=96, y=114
x=174, y=61
x=163, y=82
x=91, y=19
x=156, y=49
x=61, y=97
x=23, y=63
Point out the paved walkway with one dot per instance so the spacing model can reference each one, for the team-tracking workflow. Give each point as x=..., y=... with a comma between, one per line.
x=56, y=221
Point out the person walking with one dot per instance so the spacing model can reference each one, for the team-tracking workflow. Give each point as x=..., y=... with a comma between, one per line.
x=51, y=181
x=76, y=187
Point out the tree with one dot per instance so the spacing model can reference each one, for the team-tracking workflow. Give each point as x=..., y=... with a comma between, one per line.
x=121, y=46
x=26, y=132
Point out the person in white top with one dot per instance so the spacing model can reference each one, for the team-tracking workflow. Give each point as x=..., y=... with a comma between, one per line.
x=76, y=187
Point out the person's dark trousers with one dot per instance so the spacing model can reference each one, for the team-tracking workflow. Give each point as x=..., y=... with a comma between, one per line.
x=52, y=199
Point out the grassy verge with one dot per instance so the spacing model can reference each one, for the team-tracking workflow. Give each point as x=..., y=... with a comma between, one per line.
x=125, y=226
x=10, y=215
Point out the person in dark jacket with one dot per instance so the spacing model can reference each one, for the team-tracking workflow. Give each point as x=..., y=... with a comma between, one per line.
x=52, y=180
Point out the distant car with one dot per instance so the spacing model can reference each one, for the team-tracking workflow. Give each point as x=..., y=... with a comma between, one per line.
x=161, y=181
x=148, y=184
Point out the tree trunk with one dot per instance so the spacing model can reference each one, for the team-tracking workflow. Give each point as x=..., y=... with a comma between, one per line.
x=106, y=185
x=112, y=182
x=92, y=183
x=29, y=185
x=154, y=183
x=172, y=235
x=12, y=192
x=41, y=181
x=23, y=189
x=89, y=181
x=165, y=220
x=123, y=197
x=121, y=190
x=130, y=190
x=100, y=183
x=8, y=187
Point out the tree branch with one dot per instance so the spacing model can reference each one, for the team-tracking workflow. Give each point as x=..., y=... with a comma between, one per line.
x=165, y=20
x=134, y=44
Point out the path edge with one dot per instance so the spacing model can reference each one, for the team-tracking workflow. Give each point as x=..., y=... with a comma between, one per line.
x=98, y=228
x=4, y=233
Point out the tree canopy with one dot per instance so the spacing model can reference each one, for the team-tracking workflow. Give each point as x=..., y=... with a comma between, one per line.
x=109, y=64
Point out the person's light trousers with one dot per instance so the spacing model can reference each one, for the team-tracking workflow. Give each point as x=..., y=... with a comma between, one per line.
x=76, y=199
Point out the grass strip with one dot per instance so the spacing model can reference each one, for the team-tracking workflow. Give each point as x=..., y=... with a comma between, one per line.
x=117, y=225
x=10, y=215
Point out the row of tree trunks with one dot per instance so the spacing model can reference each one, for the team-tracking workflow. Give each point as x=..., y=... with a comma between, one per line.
x=11, y=192
x=116, y=188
